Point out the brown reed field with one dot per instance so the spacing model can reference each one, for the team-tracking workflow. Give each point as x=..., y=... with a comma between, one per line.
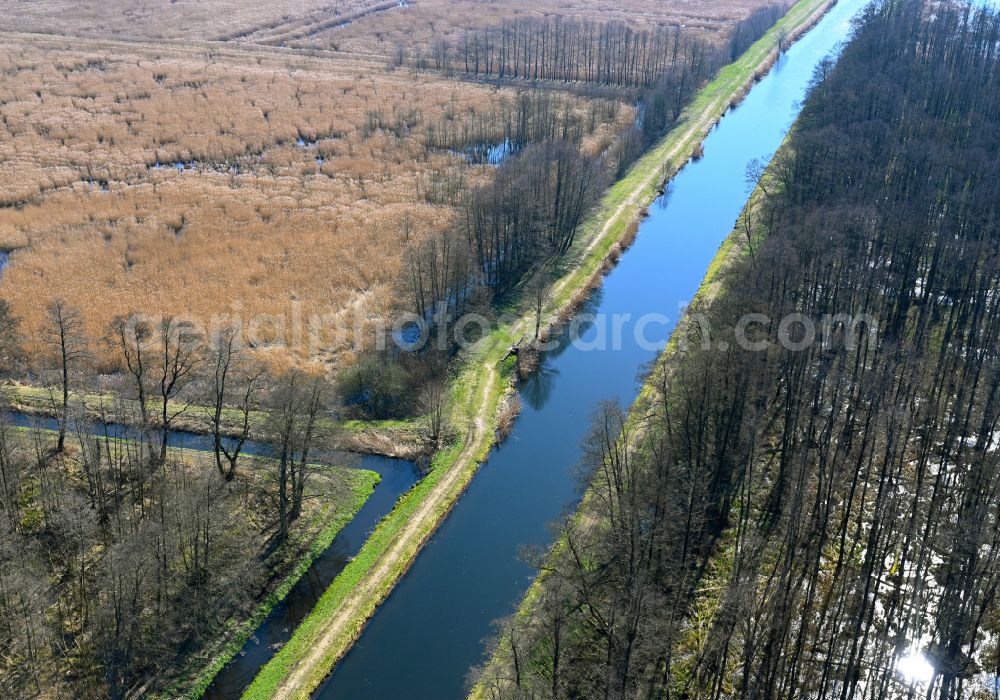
x=215, y=163
x=171, y=181
x=166, y=19
x=365, y=26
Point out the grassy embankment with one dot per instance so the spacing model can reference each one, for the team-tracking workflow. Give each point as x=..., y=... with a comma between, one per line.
x=484, y=377
x=733, y=248
x=329, y=521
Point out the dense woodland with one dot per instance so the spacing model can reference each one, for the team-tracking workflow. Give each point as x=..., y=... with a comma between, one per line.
x=815, y=519
x=606, y=53
x=120, y=558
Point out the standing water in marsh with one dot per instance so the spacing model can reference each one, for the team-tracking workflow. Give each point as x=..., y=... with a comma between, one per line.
x=430, y=631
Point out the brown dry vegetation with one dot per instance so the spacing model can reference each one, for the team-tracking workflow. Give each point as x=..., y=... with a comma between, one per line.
x=165, y=19
x=422, y=22
x=255, y=221
x=364, y=26
x=304, y=179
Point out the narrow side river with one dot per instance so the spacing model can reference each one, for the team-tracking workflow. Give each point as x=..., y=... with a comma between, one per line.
x=397, y=478
x=426, y=636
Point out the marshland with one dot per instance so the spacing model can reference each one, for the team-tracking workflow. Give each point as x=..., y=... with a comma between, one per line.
x=311, y=342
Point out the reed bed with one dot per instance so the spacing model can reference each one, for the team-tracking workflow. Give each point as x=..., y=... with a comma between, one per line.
x=182, y=184
x=422, y=24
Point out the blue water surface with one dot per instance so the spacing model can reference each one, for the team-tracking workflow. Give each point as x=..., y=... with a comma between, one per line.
x=430, y=631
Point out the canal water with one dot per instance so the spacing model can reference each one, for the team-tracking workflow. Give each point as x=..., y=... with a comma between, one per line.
x=431, y=630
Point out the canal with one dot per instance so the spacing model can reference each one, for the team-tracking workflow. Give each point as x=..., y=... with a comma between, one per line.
x=430, y=632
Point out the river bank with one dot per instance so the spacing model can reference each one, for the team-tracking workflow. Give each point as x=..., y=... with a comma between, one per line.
x=485, y=378
x=732, y=250
x=231, y=664
x=267, y=569
x=399, y=439
x=321, y=537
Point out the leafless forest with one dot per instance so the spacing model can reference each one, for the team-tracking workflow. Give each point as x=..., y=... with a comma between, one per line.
x=203, y=165
x=819, y=522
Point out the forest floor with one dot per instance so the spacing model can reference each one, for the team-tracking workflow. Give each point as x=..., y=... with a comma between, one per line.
x=484, y=380
x=336, y=494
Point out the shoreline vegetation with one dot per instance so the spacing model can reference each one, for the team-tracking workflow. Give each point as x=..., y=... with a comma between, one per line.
x=480, y=385
x=732, y=250
x=227, y=647
x=400, y=439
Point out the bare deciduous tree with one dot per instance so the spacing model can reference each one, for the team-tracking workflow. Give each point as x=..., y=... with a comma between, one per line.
x=233, y=381
x=68, y=342
x=180, y=353
x=433, y=403
x=295, y=406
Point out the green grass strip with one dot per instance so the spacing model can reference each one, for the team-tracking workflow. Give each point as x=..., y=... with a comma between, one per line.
x=470, y=389
x=362, y=484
